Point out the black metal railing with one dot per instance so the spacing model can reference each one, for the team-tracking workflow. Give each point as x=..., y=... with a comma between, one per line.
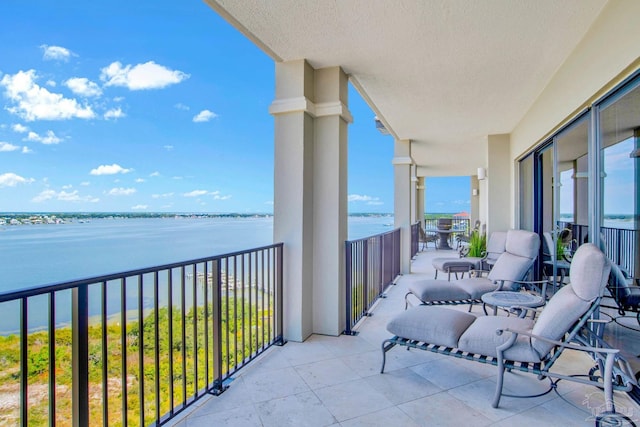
x=372, y=265
x=136, y=348
x=415, y=238
x=620, y=243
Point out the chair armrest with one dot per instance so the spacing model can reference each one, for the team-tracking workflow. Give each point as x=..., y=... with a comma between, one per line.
x=562, y=344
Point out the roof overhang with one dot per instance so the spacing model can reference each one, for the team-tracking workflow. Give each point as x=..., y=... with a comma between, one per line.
x=441, y=73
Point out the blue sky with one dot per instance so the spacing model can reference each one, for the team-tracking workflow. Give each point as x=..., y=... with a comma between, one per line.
x=153, y=106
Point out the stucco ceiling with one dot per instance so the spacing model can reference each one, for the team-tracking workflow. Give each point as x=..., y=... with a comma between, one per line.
x=442, y=73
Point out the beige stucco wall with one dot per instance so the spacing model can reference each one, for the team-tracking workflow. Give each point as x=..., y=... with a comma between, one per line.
x=608, y=53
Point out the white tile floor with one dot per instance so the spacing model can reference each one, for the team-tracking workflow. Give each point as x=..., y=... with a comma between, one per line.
x=335, y=381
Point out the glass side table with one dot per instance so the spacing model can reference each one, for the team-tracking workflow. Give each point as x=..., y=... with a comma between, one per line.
x=509, y=299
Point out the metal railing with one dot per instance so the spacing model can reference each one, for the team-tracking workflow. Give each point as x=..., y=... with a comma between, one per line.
x=460, y=225
x=620, y=244
x=372, y=264
x=137, y=348
x=415, y=238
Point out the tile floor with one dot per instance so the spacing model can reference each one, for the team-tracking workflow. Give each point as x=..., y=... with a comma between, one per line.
x=335, y=381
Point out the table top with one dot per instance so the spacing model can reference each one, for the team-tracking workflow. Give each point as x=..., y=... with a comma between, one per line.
x=511, y=298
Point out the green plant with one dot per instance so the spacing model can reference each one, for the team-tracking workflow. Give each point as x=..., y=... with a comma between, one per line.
x=559, y=249
x=477, y=244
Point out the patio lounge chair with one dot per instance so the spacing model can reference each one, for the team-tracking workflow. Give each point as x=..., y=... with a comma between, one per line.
x=521, y=249
x=527, y=344
x=624, y=292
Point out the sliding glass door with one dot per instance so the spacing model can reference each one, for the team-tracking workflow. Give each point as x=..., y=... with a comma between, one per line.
x=587, y=175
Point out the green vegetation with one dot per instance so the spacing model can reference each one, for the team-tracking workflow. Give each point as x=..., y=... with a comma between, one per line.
x=477, y=244
x=241, y=337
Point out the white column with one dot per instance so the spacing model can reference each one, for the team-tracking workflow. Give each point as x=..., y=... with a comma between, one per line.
x=310, y=195
x=475, y=199
x=498, y=183
x=330, y=200
x=420, y=188
x=414, y=195
x=402, y=162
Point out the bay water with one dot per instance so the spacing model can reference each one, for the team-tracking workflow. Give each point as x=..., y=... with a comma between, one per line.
x=42, y=254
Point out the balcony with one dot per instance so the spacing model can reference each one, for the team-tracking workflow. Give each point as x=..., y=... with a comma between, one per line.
x=329, y=380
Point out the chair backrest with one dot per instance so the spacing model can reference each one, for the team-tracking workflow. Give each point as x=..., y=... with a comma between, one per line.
x=619, y=285
x=521, y=249
x=589, y=272
x=495, y=246
x=549, y=248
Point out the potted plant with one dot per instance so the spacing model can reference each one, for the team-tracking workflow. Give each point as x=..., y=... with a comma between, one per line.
x=477, y=244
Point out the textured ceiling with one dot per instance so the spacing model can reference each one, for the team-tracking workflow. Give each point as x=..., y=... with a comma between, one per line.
x=442, y=73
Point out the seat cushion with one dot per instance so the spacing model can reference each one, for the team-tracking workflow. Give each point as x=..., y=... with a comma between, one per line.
x=437, y=290
x=433, y=325
x=475, y=287
x=481, y=338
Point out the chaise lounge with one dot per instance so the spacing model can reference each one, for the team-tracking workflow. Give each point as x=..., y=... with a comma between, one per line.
x=521, y=249
x=526, y=344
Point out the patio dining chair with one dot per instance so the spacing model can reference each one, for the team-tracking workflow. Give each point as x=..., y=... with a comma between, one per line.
x=530, y=345
x=624, y=292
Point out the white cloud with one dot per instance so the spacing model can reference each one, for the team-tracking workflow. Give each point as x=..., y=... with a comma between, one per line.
x=270, y=203
x=373, y=201
x=85, y=183
x=51, y=83
x=26, y=150
x=118, y=99
x=360, y=198
x=114, y=113
x=141, y=76
x=83, y=87
x=50, y=138
x=55, y=53
x=67, y=187
x=168, y=147
x=204, y=116
x=10, y=179
x=195, y=193
x=181, y=106
x=162, y=196
x=6, y=147
x=33, y=102
x=139, y=207
x=177, y=177
x=121, y=191
x=156, y=173
x=215, y=194
x=139, y=179
x=64, y=196
x=19, y=128
x=109, y=170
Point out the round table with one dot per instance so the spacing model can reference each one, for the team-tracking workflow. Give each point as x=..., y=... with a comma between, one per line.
x=509, y=299
x=443, y=235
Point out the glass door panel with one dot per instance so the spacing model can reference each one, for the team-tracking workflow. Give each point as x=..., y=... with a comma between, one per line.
x=620, y=162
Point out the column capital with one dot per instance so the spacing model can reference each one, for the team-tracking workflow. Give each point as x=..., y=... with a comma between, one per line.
x=403, y=160
x=302, y=104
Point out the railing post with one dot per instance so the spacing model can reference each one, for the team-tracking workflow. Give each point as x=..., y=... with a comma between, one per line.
x=216, y=311
x=80, y=356
x=349, y=289
x=365, y=278
x=279, y=296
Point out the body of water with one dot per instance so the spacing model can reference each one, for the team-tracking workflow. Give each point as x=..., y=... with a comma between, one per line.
x=34, y=255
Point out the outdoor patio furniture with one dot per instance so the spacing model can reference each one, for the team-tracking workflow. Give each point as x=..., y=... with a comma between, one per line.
x=455, y=265
x=526, y=344
x=464, y=238
x=521, y=249
x=425, y=238
x=624, y=292
x=550, y=260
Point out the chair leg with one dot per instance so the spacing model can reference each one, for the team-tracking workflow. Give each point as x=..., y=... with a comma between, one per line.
x=499, y=383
